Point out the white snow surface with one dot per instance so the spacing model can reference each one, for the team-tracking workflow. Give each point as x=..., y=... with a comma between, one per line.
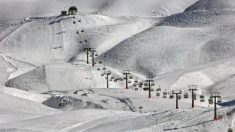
x=46, y=85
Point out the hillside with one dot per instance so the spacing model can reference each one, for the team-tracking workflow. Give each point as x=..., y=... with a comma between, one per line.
x=47, y=85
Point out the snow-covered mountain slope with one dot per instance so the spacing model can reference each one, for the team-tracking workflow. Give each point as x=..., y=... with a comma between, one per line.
x=43, y=64
x=212, y=5
x=9, y=10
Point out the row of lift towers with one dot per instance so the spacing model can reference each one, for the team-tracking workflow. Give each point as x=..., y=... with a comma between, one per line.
x=214, y=98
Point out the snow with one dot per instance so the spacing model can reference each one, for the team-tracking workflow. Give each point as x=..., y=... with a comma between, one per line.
x=46, y=84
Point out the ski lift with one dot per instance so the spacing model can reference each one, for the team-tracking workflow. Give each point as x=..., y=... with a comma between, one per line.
x=140, y=83
x=136, y=89
x=100, y=62
x=202, y=96
x=104, y=68
x=136, y=81
x=179, y=97
x=152, y=84
x=74, y=22
x=164, y=94
x=96, y=54
x=146, y=84
x=77, y=32
x=158, y=89
x=112, y=77
x=185, y=95
x=130, y=77
x=79, y=21
x=140, y=86
x=158, y=94
x=82, y=31
x=129, y=81
x=85, y=41
x=171, y=96
x=115, y=80
x=146, y=89
x=194, y=96
x=219, y=100
x=102, y=74
x=134, y=85
x=202, y=99
x=210, y=100
x=98, y=69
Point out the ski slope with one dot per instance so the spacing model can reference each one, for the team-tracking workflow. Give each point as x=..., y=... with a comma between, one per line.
x=46, y=84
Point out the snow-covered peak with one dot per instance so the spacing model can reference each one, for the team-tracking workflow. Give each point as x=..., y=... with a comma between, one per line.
x=212, y=5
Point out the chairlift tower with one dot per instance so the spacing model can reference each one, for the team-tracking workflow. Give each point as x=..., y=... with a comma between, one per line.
x=87, y=50
x=192, y=88
x=127, y=74
x=149, y=81
x=107, y=73
x=215, y=95
x=93, y=54
x=177, y=93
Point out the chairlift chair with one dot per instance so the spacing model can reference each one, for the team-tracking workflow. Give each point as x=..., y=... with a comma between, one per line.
x=98, y=69
x=171, y=96
x=102, y=74
x=185, y=95
x=134, y=85
x=129, y=81
x=179, y=97
x=146, y=89
x=104, y=68
x=158, y=94
x=158, y=89
x=145, y=84
x=210, y=100
x=96, y=55
x=219, y=100
x=202, y=99
x=194, y=96
x=164, y=95
x=130, y=77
